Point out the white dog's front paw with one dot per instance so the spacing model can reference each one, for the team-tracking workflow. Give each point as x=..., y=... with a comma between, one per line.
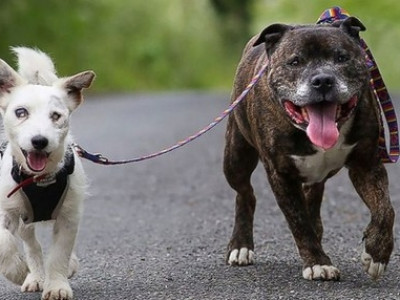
x=324, y=272
x=242, y=257
x=375, y=270
x=16, y=271
x=57, y=291
x=32, y=283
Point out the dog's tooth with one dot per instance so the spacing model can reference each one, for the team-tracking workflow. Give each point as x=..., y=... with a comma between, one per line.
x=304, y=113
x=338, y=111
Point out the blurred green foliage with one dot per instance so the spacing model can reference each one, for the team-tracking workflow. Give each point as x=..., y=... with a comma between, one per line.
x=174, y=44
x=381, y=18
x=131, y=45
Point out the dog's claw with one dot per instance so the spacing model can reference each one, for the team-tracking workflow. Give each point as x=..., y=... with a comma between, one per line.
x=242, y=257
x=375, y=270
x=324, y=272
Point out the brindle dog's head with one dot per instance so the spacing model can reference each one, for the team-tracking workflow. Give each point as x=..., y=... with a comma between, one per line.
x=317, y=74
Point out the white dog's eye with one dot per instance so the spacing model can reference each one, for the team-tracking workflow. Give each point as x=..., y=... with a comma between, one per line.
x=55, y=116
x=21, y=113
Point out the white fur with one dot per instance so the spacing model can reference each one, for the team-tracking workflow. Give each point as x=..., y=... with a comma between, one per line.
x=41, y=72
x=314, y=168
x=323, y=272
x=304, y=89
x=375, y=270
x=38, y=90
x=242, y=257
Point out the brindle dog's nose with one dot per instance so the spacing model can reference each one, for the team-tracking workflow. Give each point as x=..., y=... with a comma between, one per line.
x=39, y=142
x=323, y=83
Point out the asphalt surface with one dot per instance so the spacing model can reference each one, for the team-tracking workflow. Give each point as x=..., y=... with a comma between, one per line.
x=158, y=229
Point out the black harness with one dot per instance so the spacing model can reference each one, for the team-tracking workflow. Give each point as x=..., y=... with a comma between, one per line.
x=44, y=198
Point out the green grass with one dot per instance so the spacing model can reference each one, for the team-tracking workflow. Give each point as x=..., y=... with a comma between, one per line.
x=175, y=44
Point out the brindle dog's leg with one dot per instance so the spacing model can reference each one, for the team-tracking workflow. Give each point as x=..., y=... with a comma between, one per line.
x=371, y=183
x=289, y=194
x=240, y=160
x=313, y=195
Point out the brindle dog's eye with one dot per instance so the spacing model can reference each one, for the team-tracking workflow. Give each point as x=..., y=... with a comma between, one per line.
x=341, y=57
x=295, y=61
x=55, y=116
x=21, y=113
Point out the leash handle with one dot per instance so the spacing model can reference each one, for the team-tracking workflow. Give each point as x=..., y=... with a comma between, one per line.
x=100, y=159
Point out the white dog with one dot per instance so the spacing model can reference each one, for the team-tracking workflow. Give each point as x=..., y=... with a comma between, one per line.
x=41, y=177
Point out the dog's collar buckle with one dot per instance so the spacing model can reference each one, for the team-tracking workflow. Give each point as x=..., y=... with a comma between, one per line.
x=47, y=180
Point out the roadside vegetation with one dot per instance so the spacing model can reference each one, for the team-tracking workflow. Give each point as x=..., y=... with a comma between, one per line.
x=175, y=44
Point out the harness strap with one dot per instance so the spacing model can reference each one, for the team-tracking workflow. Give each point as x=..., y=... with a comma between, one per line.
x=380, y=92
x=43, y=194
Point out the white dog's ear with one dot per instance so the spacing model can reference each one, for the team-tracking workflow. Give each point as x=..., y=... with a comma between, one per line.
x=8, y=78
x=74, y=85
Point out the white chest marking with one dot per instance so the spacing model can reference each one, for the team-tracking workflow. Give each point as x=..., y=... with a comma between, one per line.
x=314, y=168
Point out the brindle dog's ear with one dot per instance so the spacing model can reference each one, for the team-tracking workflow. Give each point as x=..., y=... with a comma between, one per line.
x=271, y=35
x=352, y=26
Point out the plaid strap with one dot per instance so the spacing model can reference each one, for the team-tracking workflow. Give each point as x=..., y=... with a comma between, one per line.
x=379, y=90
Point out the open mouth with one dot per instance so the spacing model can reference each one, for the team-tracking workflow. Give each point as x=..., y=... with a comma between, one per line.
x=36, y=159
x=320, y=119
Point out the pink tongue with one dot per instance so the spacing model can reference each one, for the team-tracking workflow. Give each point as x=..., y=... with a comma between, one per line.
x=37, y=160
x=322, y=129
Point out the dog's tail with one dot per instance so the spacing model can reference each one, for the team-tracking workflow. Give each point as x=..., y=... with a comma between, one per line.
x=35, y=66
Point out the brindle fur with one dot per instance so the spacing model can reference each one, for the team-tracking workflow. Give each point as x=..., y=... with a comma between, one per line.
x=260, y=129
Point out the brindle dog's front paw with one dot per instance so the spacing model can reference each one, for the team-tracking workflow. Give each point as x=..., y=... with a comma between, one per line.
x=377, y=248
x=240, y=257
x=324, y=272
x=375, y=270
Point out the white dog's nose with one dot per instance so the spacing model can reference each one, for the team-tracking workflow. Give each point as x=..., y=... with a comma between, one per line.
x=39, y=142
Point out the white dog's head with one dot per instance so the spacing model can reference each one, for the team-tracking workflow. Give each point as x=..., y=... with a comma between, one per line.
x=36, y=106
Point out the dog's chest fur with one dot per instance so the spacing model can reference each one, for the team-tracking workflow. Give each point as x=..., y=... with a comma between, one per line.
x=316, y=167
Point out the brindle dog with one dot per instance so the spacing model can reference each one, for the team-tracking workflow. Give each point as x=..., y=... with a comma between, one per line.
x=311, y=114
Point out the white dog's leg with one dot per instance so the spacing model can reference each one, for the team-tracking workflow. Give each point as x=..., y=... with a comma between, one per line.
x=56, y=284
x=34, y=259
x=73, y=265
x=12, y=265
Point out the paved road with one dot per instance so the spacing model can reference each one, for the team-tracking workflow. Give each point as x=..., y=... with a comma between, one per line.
x=159, y=229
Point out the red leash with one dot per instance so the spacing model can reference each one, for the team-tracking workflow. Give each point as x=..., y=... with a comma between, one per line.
x=26, y=182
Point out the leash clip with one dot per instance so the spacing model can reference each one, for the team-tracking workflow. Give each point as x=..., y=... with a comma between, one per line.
x=100, y=158
x=94, y=157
